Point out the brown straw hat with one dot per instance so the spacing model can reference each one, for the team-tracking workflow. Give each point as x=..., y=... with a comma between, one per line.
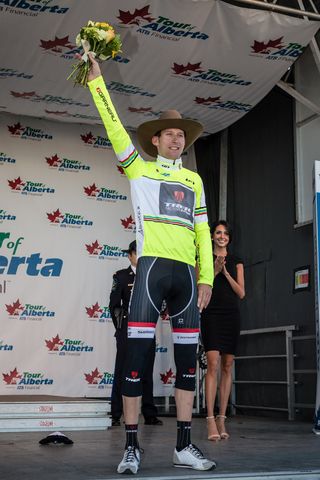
x=167, y=119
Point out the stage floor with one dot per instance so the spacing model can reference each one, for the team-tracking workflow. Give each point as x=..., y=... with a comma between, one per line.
x=258, y=448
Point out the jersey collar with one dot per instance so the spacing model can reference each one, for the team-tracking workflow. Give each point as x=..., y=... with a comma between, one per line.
x=169, y=164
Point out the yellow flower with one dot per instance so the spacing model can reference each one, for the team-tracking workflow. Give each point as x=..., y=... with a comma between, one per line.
x=103, y=25
x=110, y=35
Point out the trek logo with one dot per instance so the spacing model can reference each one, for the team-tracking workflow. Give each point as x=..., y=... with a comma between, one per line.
x=161, y=27
x=65, y=164
x=191, y=374
x=97, y=142
x=134, y=377
x=98, y=313
x=28, y=133
x=276, y=49
x=95, y=378
x=177, y=203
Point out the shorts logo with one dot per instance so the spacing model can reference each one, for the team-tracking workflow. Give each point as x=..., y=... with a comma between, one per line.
x=192, y=370
x=134, y=374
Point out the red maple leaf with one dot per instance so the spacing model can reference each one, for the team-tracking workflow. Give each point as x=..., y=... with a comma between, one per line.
x=54, y=343
x=127, y=222
x=92, y=190
x=135, y=18
x=164, y=314
x=277, y=43
x=23, y=95
x=53, y=161
x=16, y=128
x=94, y=248
x=93, y=311
x=57, y=42
x=11, y=378
x=206, y=101
x=14, y=308
x=165, y=377
x=261, y=47
x=55, y=216
x=185, y=69
x=16, y=184
x=87, y=138
x=93, y=377
x=121, y=170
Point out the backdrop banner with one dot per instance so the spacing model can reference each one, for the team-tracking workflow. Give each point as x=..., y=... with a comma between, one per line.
x=65, y=216
x=316, y=234
x=210, y=60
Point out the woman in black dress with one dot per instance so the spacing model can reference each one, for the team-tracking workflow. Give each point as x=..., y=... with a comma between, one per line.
x=220, y=327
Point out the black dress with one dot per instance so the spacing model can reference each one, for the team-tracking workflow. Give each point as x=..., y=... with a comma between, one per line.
x=220, y=321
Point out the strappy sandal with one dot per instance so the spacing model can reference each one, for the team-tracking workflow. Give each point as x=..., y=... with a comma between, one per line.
x=224, y=435
x=213, y=434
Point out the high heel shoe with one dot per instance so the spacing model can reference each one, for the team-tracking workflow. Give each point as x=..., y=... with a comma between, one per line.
x=213, y=433
x=224, y=435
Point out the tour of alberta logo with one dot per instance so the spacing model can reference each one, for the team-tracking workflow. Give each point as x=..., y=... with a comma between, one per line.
x=105, y=251
x=159, y=26
x=11, y=73
x=32, y=264
x=29, y=187
x=68, y=220
x=66, y=164
x=6, y=160
x=28, y=133
x=97, y=379
x=194, y=72
x=28, y=311
x=103, y=194
x=97, y=313
x=218, y=103
x=67, y=346
x=47, y=98
x=25, y=380
x=31, y=8
x=276, y=49
x=6, y=216
x=95, y=141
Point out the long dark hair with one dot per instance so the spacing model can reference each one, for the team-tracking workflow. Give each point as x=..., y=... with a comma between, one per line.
x=225, y=224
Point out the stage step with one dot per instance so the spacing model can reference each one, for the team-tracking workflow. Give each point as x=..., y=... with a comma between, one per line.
x=56, y=415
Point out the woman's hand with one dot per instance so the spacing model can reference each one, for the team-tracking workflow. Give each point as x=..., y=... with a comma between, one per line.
x=219, y=264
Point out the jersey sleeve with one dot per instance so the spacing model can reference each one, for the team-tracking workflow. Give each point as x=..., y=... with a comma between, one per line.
x=125, y=151
x=203, y=239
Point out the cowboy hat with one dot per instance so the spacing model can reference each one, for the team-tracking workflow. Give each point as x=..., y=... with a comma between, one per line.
x=167, y=119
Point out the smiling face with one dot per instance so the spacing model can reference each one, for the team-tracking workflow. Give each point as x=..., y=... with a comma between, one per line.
x=220, y=236
x=170, y=143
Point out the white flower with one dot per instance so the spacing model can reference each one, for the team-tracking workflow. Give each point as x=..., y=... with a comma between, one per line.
x=78, y=40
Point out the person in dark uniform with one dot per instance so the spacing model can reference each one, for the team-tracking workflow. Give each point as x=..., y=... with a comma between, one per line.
x=119, y=305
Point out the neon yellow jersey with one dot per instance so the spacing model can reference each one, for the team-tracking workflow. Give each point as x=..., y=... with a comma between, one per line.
x=168, y=200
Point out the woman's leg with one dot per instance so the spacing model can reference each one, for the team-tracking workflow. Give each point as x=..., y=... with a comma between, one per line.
x=211, y=381
x=224, y=392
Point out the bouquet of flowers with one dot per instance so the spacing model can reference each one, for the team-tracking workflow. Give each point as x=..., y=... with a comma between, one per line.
x=100, y=39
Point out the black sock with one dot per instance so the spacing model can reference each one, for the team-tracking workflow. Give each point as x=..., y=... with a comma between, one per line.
x=132, y=436
x=183, y=435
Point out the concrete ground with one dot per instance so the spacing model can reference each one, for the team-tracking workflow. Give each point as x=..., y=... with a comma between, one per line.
x=258, y=449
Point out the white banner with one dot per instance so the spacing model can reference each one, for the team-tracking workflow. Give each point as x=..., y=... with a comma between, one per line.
x=210, y=60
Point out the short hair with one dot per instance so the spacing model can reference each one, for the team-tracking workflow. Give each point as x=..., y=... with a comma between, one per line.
x=225, y=224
